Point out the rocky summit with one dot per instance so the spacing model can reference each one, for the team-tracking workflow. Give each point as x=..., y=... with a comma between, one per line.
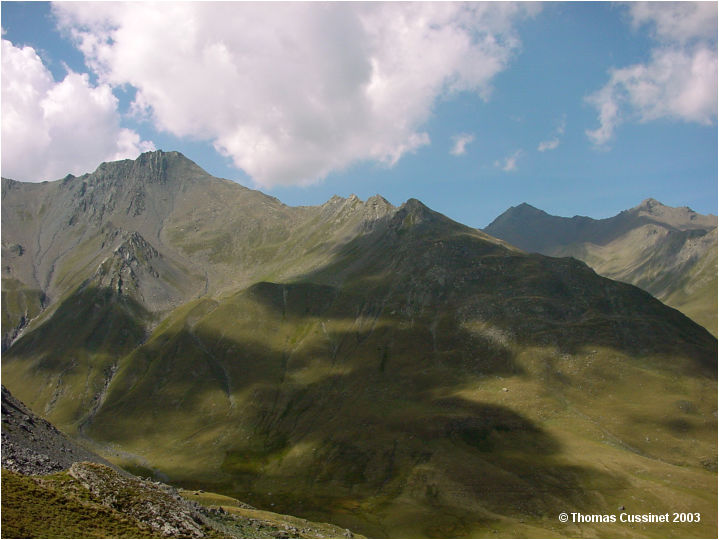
x=383, y=368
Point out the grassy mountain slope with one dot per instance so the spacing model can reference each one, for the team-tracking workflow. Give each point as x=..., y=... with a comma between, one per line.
x=377, y=401
x=670, y=252
x=53, y=487
x=386, y=369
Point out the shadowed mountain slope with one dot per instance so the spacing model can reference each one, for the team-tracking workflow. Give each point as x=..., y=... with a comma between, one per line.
x=55, y=488
x=669, y=252
x=383, y=368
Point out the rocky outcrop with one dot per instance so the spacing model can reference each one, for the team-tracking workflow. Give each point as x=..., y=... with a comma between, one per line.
x=122, y=270
x=31, y=445
x=161, y=508
x=157, y=505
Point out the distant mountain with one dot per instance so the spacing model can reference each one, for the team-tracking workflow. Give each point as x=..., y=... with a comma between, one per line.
x=669, y=252
x=384, y=368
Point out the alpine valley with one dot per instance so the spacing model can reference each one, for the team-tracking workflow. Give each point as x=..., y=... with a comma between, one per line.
x=382, y=368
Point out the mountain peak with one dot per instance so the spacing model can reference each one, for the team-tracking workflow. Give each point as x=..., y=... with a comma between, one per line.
x=413, y=212
x=415, y=205
x=378, y=200
x=650, y=202
x=525, y=206
x=679, y=217
x=526, y=210
x=416, y=208
x=651, y=206
x=160, y=156
x=157, y=166
x=516, y=214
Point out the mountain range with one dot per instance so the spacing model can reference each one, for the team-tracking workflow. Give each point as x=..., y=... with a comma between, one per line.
x=383, y=368
x=669, y=252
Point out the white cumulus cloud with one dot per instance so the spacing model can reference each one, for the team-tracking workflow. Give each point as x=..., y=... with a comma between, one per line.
x=509, y=163
x=460, y=143
x=553, y=142
x=681, y=22
x=550, y=144
x=680, y=80
x=294, y=91
x=53, y=128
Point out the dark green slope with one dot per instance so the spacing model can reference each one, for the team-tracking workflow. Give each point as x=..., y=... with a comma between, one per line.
x=385, y=369
x=66, y=363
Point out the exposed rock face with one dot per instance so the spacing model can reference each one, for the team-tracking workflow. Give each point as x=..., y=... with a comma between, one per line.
x=31, y=445
x=136, y=269
x=121, y=269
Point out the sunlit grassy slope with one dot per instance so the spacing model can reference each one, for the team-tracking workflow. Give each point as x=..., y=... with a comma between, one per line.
x=393, y=372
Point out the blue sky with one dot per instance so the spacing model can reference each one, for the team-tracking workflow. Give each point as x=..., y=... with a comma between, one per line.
x=576, y=108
